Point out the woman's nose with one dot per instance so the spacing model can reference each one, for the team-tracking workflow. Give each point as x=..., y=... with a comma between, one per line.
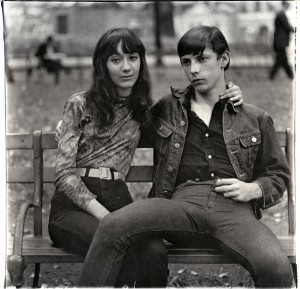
x=126, y=65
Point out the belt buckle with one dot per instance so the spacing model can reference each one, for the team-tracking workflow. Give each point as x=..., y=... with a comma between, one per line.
x=104, y=173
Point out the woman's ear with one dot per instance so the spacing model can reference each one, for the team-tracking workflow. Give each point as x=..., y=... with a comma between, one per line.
x=225, y=58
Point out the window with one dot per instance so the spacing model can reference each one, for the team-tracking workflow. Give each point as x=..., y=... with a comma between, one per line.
x=62, y=24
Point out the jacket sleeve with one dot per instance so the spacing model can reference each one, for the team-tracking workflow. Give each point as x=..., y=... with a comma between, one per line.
x=66, y=180
x=271, y=170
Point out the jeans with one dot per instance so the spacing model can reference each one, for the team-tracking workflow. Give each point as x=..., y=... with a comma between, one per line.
x=281, y=61
x=194, y=211
x=145, y=263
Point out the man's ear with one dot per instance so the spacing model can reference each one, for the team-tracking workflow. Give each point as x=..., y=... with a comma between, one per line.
x=225, y=58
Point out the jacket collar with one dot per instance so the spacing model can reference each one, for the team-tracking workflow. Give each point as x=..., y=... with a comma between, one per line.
x=182, y=95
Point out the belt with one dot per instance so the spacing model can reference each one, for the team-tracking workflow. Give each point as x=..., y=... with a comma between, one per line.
x=101, y=173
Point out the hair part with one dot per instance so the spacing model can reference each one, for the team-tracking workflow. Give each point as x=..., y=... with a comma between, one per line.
x=197, y=39
x=103, y=92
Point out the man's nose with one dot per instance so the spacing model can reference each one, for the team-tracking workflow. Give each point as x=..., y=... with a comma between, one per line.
x=195, y=67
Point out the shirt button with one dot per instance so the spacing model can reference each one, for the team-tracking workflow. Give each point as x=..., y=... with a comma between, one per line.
x=209, y=156
x=254, y=139
x=182, y=123
x=177, y=145
x=197, y=180
x=212, y=175
x=207, y=134
x=170, y=169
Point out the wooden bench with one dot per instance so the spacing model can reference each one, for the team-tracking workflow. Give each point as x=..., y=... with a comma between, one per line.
x=39, y=249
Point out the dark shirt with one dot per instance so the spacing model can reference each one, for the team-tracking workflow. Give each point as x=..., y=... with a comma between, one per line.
x=204, y=155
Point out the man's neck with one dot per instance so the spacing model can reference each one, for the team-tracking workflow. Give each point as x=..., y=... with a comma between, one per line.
x=211, y=97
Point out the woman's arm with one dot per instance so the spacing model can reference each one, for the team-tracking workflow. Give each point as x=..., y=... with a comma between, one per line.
x=66, y=180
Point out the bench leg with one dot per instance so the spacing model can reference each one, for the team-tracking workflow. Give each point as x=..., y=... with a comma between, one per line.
x=36, y=277
x=15, y=267
x=294, y=267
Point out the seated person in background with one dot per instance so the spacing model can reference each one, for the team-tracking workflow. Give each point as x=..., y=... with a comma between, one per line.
x=49, y=58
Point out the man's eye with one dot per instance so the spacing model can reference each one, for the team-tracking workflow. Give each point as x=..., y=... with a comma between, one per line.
x=185, y=62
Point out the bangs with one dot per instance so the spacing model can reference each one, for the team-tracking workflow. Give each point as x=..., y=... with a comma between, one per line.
x=192, y=45
x=130, y=43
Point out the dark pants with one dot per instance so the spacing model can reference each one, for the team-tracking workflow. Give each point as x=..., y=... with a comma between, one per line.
x=194, y=211
x=281, y=61
x=146, y=262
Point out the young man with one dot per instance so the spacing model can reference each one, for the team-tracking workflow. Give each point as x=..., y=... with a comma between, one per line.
x=216, y=166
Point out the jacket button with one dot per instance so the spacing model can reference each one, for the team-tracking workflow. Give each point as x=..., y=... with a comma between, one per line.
x=212, y=175
x=197, y=180
x=177, y=145
x=165, y=193
x=254, y=139
x=170, y=169
x=182, y=123
x=160, y=127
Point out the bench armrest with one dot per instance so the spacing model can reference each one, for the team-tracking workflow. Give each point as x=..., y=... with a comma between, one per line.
x=19, y=227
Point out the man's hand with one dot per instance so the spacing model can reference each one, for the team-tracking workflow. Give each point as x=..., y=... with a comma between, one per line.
x=237, y=190
x=58, y=130
x=234, y=93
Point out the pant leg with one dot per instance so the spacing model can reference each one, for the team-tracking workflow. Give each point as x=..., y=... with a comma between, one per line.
x=142, y=219
x=145, y=263
x=250, y=241
x=149, y=261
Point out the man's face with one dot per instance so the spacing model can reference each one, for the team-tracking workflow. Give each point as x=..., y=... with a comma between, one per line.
x=203, y=70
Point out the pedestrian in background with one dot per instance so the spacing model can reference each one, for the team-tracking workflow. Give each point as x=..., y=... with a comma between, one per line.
x=281, y=42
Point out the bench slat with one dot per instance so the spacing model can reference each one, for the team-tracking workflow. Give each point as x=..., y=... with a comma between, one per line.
x=19, y=141
x=41, y=249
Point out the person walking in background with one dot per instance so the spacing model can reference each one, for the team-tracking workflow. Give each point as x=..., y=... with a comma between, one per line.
x=98, y=136
x=281, y=42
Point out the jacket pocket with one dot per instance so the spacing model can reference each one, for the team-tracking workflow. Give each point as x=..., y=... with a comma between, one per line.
x=249, y=147
x=163, y=130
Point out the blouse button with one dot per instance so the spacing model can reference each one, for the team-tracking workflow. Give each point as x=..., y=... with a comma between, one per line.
x=207, y=134
x=182, y=123
x=209, y=156
x=212, y=175
x=177, y=145
x=170, y=169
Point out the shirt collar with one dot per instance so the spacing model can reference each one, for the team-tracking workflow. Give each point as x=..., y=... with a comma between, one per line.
x=184, y=95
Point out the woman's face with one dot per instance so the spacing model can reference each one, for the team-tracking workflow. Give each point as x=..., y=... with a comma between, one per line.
x=124, y=70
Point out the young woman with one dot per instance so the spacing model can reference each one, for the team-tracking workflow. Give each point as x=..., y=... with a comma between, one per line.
x=98, y=136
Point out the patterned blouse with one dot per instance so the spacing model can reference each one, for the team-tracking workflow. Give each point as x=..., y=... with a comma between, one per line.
x=83, y=144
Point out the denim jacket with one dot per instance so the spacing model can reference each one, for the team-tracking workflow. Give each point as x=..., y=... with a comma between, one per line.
x=250, y=140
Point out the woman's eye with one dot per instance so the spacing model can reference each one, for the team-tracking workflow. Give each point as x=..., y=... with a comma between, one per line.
x=115, y=60
x=133, y=57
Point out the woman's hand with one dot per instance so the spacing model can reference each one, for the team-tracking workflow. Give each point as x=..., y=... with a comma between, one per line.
x=58, y=130
x=237, y=190
x=96, y=209
x=234, y=93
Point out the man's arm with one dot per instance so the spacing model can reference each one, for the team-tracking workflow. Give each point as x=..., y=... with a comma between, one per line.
x=270, y=173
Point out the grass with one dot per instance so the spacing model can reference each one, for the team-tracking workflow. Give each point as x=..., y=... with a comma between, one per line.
x=37, y=104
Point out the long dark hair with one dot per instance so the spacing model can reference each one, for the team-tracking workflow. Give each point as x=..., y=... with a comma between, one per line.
x=102, y=92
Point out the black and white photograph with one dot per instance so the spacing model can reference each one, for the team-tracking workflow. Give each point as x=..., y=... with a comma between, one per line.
x=149, y=144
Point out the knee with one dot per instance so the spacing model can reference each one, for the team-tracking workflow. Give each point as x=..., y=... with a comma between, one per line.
x=276, y=272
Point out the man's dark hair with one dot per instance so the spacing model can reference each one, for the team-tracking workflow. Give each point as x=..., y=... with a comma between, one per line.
x=200, y=37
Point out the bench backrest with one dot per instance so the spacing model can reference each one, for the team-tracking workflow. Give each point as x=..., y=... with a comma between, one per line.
x=38, y=142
